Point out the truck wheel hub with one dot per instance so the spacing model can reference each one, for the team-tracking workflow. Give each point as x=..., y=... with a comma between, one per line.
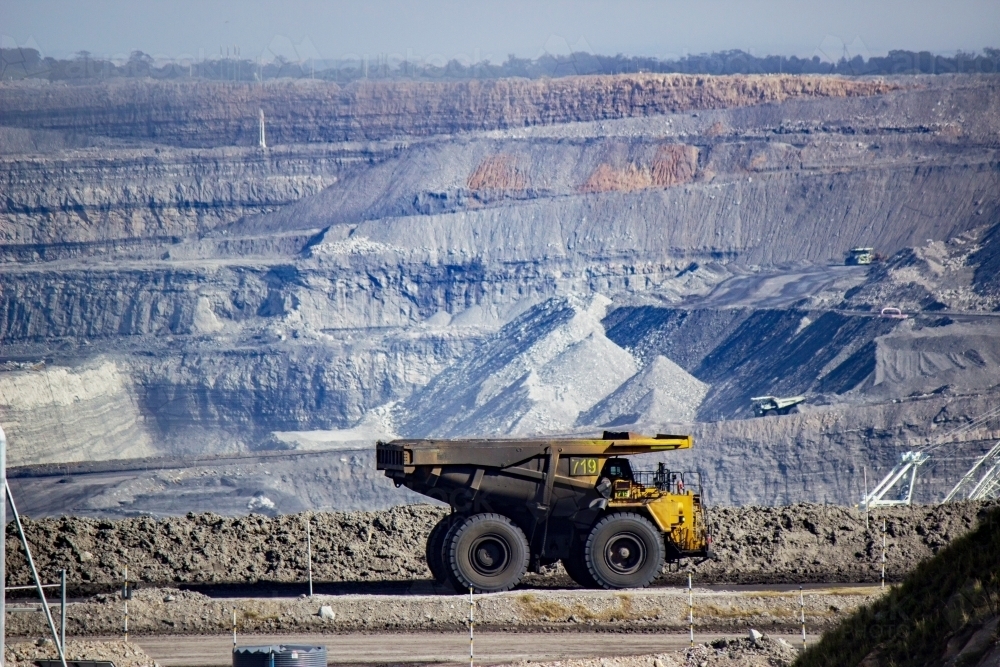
x=625, y=554
x=490, y=555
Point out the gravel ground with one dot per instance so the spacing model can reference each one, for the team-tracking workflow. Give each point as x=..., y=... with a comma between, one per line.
x=122, y=654
x=764, y=652
x=793, y=544
x=172, y=611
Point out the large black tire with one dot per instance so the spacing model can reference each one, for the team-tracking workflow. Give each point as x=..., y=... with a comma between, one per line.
x=449, y=534
x=576, y=567
x=624, y=550
x=487, y=553
x=436, y=562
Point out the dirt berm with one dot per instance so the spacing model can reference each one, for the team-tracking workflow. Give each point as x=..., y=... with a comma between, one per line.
x=797, y=543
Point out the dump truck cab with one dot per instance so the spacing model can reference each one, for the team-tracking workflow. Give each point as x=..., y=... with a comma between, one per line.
x=533, y=502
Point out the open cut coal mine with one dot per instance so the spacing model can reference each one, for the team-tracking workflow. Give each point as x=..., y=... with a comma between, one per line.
x=640, y=252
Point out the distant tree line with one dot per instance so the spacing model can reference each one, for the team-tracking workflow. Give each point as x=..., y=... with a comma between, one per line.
x=28, y=63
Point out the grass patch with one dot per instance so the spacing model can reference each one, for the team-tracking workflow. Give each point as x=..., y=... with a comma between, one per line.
x=710, y=610
x=848, y=591
x=843, y=591
x=539, y=609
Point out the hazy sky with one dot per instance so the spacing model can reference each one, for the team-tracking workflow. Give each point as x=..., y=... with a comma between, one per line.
x=471, y=30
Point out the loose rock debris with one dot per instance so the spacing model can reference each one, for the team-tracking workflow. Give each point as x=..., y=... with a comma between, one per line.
x=766, y=652
x=794, y=544
x=24, y=654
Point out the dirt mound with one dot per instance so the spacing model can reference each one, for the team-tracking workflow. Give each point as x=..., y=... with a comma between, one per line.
x=826, y=543
x=207, y=548
x=536, y=375
x=798, y=543
x=121, y=653
x=662, y=390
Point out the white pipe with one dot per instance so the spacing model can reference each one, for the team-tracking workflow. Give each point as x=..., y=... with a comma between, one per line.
x=34, y=574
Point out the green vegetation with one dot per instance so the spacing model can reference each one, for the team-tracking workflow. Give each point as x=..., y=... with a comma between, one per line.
x=21, y=63
x=946, y=597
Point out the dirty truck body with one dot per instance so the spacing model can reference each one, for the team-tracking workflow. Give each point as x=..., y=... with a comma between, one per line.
x=765, y=405
x=530, y=503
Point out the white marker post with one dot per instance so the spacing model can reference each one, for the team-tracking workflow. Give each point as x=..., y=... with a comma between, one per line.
x=690, y=610
x=867, y=527
x=802, y=615
x=471, y=651
x=125, y=596
x=62, y=600
x=309, y=553
x=883, y=552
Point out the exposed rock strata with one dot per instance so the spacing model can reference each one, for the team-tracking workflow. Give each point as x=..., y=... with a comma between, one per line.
x=207, y=113
x=714, y=227
x=106, y=194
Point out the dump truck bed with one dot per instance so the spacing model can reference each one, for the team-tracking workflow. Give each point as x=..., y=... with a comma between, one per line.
x=406, y=455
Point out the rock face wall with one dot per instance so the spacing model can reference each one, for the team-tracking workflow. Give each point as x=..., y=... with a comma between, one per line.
x=207, y=114
x=94, y=410
x=112, y=194
x=441, y=267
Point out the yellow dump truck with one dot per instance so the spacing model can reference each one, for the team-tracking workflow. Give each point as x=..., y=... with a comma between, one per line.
x=520, y=504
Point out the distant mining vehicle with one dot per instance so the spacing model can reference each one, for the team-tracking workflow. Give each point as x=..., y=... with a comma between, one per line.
x=530, y=503
x=892, y=313
x=765, y=405
x=858, y=256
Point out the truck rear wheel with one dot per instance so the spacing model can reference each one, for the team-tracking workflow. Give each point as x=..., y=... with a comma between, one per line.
x=576, y=567
x=487, y=553
x=435, y=552
x=624, y=550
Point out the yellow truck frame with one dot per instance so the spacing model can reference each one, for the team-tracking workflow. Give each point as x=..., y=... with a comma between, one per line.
x=532, y=502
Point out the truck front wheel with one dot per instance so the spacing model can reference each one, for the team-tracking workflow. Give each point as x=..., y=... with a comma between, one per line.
x=487, y=553
x=624, y=550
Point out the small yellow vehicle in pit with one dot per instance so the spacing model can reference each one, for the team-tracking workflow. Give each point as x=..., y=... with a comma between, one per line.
x=530, y=503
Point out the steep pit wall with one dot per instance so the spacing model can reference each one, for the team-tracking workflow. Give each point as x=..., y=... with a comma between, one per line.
x=797, y=543
x=351, y=284
x=765, y=220
x=83, y=413
x=111, y=194
x=211, y=114
x=202, y=398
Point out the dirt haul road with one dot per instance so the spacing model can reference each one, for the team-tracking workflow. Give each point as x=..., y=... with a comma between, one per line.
x=431, y=648
x=657, y=610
